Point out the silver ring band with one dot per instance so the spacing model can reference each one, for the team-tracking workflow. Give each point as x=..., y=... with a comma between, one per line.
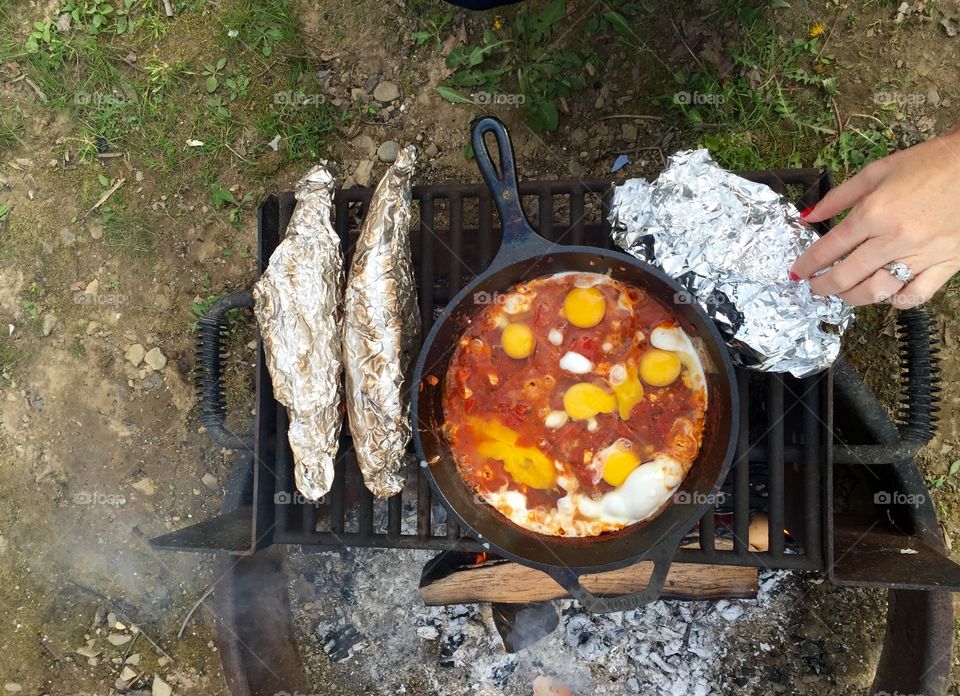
x=900, y=271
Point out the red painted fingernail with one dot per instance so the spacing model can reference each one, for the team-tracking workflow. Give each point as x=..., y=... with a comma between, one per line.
x=793, y=276
x=804, y=213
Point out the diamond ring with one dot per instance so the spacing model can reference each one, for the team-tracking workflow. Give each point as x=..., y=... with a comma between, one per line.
x=900, y=271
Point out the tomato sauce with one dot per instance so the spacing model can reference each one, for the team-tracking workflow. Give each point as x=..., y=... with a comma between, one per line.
x=495, y=403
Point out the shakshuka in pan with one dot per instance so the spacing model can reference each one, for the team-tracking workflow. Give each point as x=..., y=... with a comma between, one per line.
x=574, y=404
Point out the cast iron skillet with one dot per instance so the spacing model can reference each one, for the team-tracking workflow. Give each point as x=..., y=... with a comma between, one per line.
x=524, y=255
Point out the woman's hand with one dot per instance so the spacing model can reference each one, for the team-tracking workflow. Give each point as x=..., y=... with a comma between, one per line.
x=906, y=208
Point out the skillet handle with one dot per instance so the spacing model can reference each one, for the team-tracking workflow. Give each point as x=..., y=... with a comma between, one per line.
x=502, y=182
x=595, y=604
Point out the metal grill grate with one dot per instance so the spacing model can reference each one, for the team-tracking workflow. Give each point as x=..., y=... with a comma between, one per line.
x=783, y=442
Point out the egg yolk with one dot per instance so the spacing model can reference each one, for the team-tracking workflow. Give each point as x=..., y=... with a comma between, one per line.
x=584, y=307
x=525, y=465
x=629, y=392
x=618, y=465
x=517, y=341
x=658, y=368
x=584, y=400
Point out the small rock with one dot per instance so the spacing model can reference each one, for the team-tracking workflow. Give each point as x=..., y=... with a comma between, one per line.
x=152, y=381
x=133, y=659
x=12, y=687
x=155, y=359
x=428, y=632
x=145, y=486
x=933, y=97
x=128, y=674
x=576, y=170
x=139, y=176
x=578, y=137
x=431, y=150
x=87, y=651
x=49, y=321
x=365, y=145
x=386, y=91
x=210, y=481
x=388, y=151
x=599, y=103
x=93, y=287
x=91, y=327
x=118, y=639
x=95, y=230
x=135, y=354
x=67, y=237
x=357, y=93
x=160, y=687
x=629, y=132
x=363, y=171
x=111, y=617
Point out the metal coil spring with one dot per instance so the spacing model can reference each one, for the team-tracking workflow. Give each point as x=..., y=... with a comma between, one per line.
x=919, y=374
x=209, y=371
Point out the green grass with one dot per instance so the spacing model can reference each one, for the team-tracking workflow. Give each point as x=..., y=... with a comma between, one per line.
x=127, y=233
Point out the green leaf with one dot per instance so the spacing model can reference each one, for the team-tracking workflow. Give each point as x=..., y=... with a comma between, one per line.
x=543, y=116
x=468, y=151
x=221, y=196
x=104, y=181
x=955, y=467
x=420, y=37
x=228, y=251
x=452, y=96
x=221, y=64
x=5, y=209
x=620, y=24
x=267, y=50
x=212, y=84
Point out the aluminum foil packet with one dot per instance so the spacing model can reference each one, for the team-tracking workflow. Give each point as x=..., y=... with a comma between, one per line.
x=730, y=242
x=381, y=332
x=299, y=308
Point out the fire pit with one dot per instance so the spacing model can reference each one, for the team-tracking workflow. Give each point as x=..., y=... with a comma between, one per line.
x=819, y=467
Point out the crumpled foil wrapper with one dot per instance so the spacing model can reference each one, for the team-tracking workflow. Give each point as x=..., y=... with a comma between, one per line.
x=381, y=332
x=298, y=305
x=730, y=242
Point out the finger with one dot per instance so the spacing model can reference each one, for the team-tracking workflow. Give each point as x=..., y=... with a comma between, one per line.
x=923, y=287
x=847, y=194
x=836, y=243
x=875, y=288
x=857, y=267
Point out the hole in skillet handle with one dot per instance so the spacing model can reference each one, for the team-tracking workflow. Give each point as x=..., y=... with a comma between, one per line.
x=661, y=557
x=519, y=238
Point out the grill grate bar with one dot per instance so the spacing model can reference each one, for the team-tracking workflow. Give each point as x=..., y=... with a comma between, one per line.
x=394, y=516
x=426, y=263
x=336, y=494
x=284, y=468
x=775, y=416
x=811, y=464
x=741, y=471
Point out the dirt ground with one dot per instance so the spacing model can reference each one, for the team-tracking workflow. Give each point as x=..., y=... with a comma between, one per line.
x=100, y=447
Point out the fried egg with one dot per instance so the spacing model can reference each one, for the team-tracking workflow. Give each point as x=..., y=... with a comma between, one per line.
x=676, y=341
x=646, y=489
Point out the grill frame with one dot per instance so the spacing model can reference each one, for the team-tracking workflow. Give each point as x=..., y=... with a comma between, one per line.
x=795, y=415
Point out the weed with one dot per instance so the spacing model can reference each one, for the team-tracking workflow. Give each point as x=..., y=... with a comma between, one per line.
x=525, y=59
x=260, y=26
x=126, y=233
x=435, y=26
x=223, y=198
